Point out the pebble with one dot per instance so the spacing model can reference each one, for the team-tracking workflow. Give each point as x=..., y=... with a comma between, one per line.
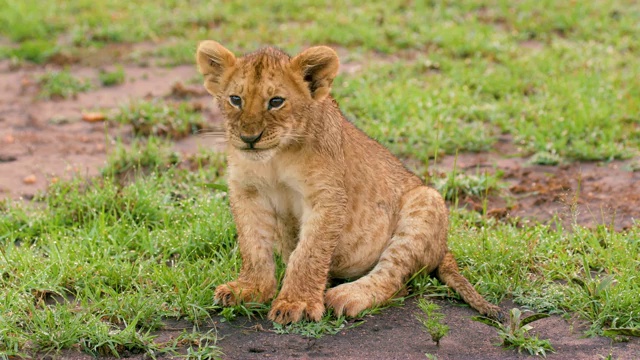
x=93, y=116
x=30, y=179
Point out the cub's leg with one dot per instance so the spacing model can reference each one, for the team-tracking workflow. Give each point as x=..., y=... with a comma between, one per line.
x=256, y=224
x=419, y=242
x=305, y=279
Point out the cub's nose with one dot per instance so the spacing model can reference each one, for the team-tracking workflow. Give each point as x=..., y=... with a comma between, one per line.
x=251, y=139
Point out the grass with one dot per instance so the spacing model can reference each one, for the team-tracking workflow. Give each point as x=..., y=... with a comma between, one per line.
x=454, y=186
x=61, y=85
x=159, y=118
x=125, y=257
x=141, y=157
x=515, y=334
x=432, y=320
x=328, y=325
x=112, y=78
x=432, y=78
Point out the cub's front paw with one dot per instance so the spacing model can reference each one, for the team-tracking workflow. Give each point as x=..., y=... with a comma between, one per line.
x=234, y=293
x=285, y=311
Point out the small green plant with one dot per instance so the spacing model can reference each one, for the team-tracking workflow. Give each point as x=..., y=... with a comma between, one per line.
x=250, y=310
x=545, y=158
x=328, y=325
x=431, y=318
x=621, y=334
x=515, y=334
x=141, y=156
x=112, y=78
x=37, y=51
x=595, y=291
x=61, y=85
x=457, y=185
x=201, y=346
x=162, y=119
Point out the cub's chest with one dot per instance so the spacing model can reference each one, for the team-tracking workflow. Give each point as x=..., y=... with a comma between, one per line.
x=278, y=188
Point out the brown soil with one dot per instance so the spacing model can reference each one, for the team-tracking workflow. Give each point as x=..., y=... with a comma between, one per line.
x=44, y=140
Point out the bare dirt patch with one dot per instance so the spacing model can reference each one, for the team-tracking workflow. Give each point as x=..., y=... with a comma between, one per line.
x=583, y=193
x=44, y=140
x=396, y=334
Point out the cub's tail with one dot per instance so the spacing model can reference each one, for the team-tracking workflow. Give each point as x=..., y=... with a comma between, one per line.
x=449, y=274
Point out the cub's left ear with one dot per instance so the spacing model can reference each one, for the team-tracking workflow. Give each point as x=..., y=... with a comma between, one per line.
x=213, y=60
x=318, y=66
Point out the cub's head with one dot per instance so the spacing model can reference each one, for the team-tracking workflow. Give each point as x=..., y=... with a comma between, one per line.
x=265, y=96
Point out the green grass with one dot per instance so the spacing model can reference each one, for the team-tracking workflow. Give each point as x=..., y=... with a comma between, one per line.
x=432, y=320
x=112, y=78
x=328, y=325
x=126, y=257
x=158, y=118
x=61, y=85
x=515, y=333
x=107, y=250
x=141, y=157
x=455, y=186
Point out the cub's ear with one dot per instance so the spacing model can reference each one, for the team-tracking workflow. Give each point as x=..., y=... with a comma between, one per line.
x=213, y=60
x=318, y=67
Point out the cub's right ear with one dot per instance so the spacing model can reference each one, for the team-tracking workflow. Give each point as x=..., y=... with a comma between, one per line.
x=213, y=60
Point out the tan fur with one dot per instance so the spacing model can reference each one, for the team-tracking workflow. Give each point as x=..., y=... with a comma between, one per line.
x=318, y=191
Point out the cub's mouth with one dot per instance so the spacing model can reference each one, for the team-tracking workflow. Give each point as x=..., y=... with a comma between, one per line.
x=255, y=149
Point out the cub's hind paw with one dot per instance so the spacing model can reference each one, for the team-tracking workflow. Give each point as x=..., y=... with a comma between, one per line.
x=347, y=299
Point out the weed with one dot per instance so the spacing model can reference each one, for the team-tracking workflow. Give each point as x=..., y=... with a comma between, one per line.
x=515, y=334
x=634, y=166
x=154, y=118
x=249, y=310
x=142, y=156
x=201, y=346
x=621, y=334
x=61, y=85
x=545, y=158
x=112, y=78
x=456, y=185
x=37, y=51
x=328, y=325
x=431, y=318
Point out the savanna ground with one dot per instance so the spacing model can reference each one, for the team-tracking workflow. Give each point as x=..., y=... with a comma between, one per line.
x=114, y=223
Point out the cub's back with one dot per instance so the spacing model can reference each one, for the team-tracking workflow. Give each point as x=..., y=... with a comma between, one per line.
x=371, y=168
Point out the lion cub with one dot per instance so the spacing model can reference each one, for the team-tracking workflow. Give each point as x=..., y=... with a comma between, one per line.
x=306, y=183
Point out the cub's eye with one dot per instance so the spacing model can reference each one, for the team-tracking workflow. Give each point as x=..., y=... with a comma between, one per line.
x=275, y=102
x=236, y=101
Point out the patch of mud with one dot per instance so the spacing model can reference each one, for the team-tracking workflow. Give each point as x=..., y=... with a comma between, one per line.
x=582, y=193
